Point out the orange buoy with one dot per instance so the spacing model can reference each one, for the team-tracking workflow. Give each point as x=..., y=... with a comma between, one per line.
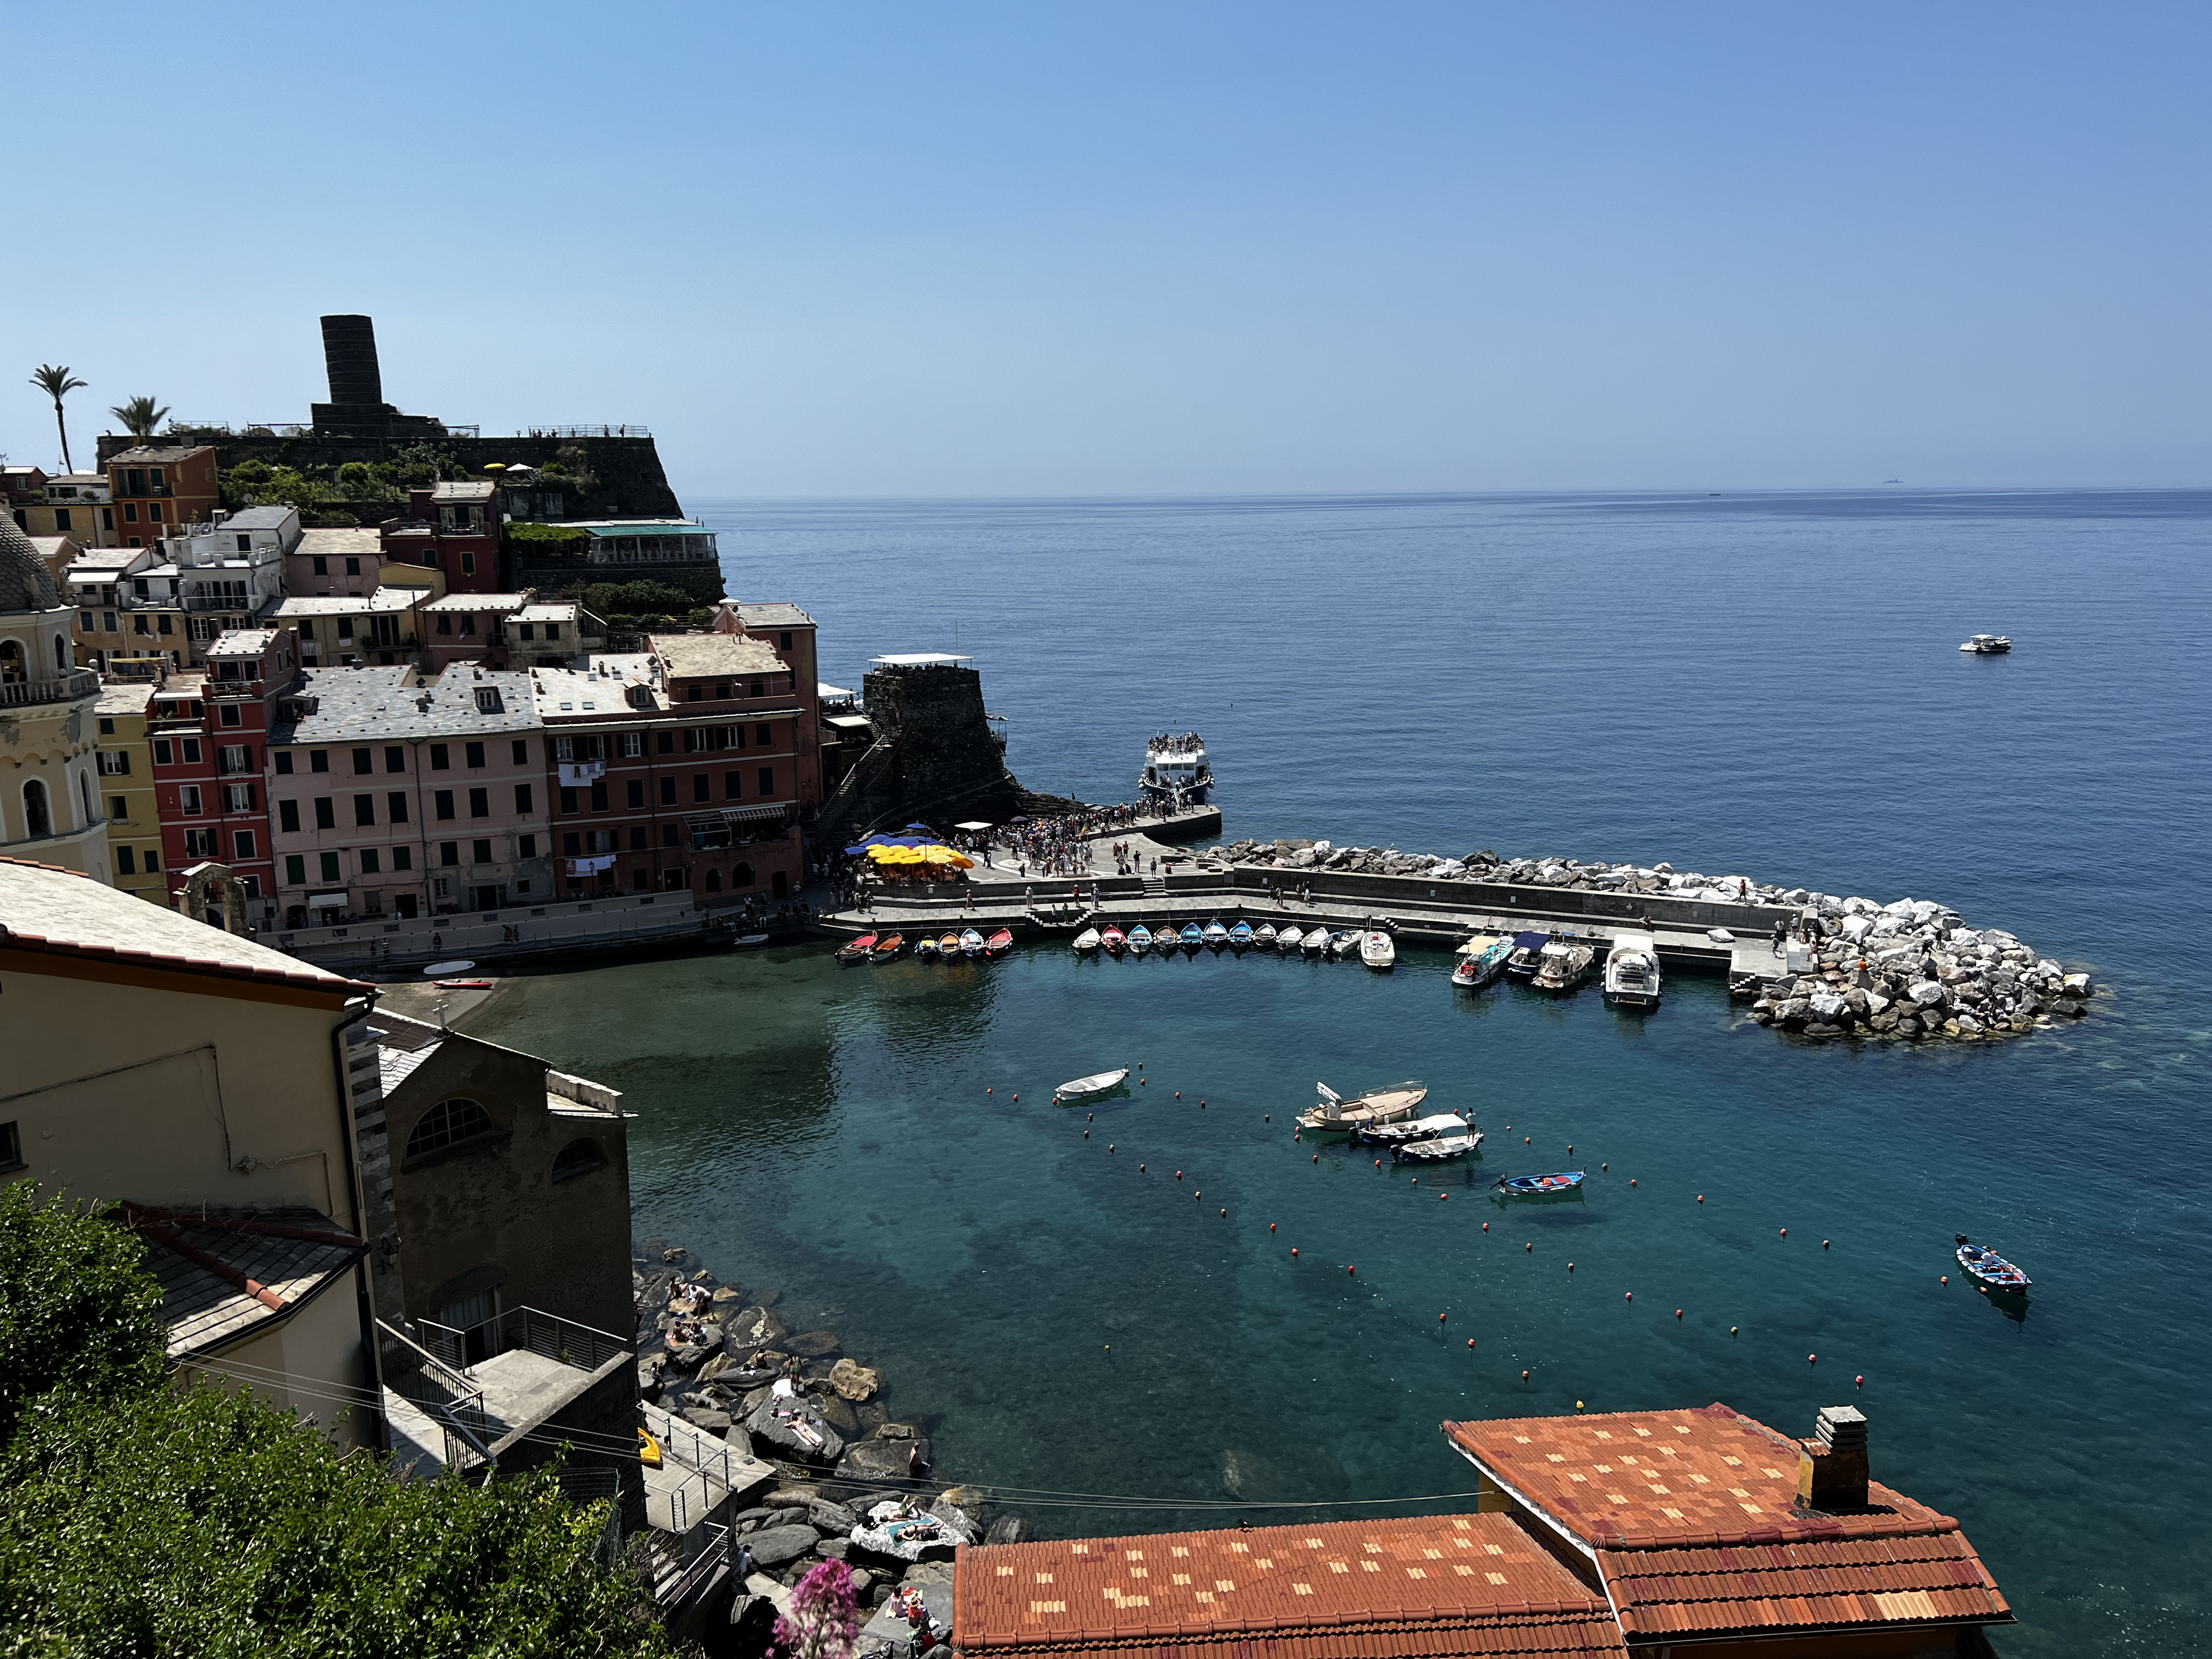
x=989, y=1091
x=1946, y=1279
x=1378, y=1163
x=1442, y=1318
x=1142, y=1081
x=1294, y=1250
x=1524, y=1377
x=1701, y=1198
x=1470, y=1342
x=1316, y=1157
x=1678, y=1313
x=1632, y=1180
x=1416, y=1181
x=1178, y=1094
x=1527, y=1140
x=1016, y=1097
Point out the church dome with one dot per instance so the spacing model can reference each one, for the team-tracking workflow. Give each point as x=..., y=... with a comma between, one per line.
x=24, y=583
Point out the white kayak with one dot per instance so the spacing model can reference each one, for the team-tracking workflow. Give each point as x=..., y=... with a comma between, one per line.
x=1097, y=1084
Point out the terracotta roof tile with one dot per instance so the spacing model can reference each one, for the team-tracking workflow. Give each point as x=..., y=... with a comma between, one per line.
x=1344, y=1589
x=1933, y=1577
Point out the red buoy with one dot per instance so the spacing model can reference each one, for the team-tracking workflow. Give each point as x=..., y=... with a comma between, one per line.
x=988, y=1091
x=1470, y=1342
x=1678, y=1313
x=1524, y=1377
x=1178, y=1094
x=1531, y=1248
x=1859, y=1381
x=1140, y=1168
x=1485, y=1226
x=1442, y=1318
x=1632, y=1180
x=1178, y=1174
x=1350, y=1272
x=1294, y=1250
x=1785, y=1232
x=1630, y=1295
x=1812, y=1359
x=1824, y=1243
x=1701, y=1198
x=1225, y=1212
x=1316, y=1157
x=1271, y=1226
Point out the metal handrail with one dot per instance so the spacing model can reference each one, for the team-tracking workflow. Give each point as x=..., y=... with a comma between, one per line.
x=701, y=1571
x=445, y=1395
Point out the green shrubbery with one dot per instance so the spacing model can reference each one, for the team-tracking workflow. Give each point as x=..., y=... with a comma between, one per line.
x=136, y=1519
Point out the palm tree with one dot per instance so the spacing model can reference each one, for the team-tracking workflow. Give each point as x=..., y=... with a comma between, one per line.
x=139, y=416
x=57, y=383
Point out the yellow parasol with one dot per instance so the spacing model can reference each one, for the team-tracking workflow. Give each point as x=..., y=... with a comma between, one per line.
x=945, y=855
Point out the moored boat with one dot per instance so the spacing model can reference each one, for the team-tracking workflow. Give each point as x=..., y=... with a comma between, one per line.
x=1337, y=1116
x=1141, y=939
x=1240, y=937
x=1087, y=940
x=1986, y=1266
x=1481, y=960
x=925, y=949
x=1343, y=944
x=1098, y=1083
x=971, y=943
x=1192, y=936
x=888, y=947
x=1436, y=1149
x=1377, y=950
x=999, y=942
x=1113, y=938
x=859, y=950
x=1264, y=935
x=1631, y=971
x=1541, y=1186
x=1410, y=1128
x=1316, y=941
x=948, y=945
x=1563, y=965
x=1214, y=934
x=1289, y=940
x=1527, y=954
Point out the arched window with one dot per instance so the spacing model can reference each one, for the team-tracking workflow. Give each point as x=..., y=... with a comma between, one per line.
x=578, y=1158
x=11, y=663
x=447, y=1124
x=742, y=875
x=38, y=817
x=84, y=794
x=714, y=881
x=61, y=654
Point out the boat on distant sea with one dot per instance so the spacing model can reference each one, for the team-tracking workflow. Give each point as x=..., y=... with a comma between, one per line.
x=999, y=942
x=1541, y=1185
x=1113, y=938
x=858, y=951
x=1098, y=1083
x=1377, y=950
x=1481, y=960
x=1988, y=645
x=1337, y=1116
x=1631, y=971
x=1527, y=954
x=971, y=943
x=1987, y=1267
x=1087, y=940
x=888, y=947
x=1562, y=965
x=1240, y=937
x=1141, y=939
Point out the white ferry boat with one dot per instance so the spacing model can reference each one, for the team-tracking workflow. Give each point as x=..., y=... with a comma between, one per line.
x=1175, y=774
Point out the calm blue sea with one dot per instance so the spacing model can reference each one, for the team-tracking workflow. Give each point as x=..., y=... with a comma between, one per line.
x=1764, y=683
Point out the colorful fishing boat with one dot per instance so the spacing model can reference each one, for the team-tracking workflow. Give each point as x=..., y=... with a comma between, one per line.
x=999, y=942
x=1214, y=934
x=1527, y=954
x=1561, y=964
x=1240, y=937
x=1437, y=1149
x=925, y=949
x=1113, y=938
x=1264, y=935
x=1337, y=1116
x=859, y=950
x=971, y=943
x=1481, y=960
x=1541, y=1185
x=888, y=947
x=1987, y=1267
x=1086, y=941
x=1141, y=939
x=1192, y=936
x=948, y=945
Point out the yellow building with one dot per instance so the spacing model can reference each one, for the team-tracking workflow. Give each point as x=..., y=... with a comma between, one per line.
x=126, y=788
x=50, y=806
x=210, y=1085
x=75, y=505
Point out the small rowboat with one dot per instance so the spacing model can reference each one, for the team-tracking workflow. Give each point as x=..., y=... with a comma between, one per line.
x=1113, y=938
x=971, y=943
x=1240, y=937
x=1264, y=934
x=1214, y=935
x=1411, y=1129
x=948, y=945
x=1339, y=1116
x=1316, y=941
x=888, y=947
x=1192, y=936
x=1437, y=1148
x=859, y=949
x=1097, y=1084
x=1087, y=940
x=464, y=985
x=999, y=942
x=1986, y=1266
x=1289, y=940
x=1541, y=1185
x=925, y=949
x=1141, y=939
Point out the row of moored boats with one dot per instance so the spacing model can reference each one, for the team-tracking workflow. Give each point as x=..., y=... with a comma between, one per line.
x=1391, y=1118
x=927, y=947
x=1550, y=961
x=1372, y=944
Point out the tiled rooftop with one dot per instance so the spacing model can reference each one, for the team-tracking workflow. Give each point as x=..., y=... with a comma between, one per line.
x=221, y=1273
x=1695, y=1477
x=378, y=704
x=41, y=905
x=606, y=691
x=700, y=656
x=1428, y=1585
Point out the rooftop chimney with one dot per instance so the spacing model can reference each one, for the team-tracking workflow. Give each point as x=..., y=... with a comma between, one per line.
x=1831, y=1470
x=349, y=355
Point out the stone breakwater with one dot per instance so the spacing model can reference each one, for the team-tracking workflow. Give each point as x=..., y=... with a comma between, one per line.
x=710, y=1353
x=1909, y=968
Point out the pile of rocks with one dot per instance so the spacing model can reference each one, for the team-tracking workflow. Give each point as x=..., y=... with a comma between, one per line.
x=1570, y=874
x=1913, y=969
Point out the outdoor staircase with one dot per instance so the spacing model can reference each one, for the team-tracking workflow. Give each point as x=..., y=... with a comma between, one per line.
x=1156, y=886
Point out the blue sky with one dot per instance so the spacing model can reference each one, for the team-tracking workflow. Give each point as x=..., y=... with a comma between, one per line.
x=967, y=249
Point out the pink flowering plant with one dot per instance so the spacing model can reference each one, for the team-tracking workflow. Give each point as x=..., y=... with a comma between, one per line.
x=824, y=1622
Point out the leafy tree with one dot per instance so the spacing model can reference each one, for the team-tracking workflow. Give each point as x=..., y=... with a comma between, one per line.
x=79, y=1316
x=57, y=382
x=139, y=416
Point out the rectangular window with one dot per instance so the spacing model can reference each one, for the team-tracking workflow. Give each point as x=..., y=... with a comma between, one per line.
x=284, y=762
x=235, y=757
x=734, y=785
x=480, y=852
x=638, y=840
x=441, y=758
x=468, y=565
x=364, y=811
x=564, y=749
x=161, y=756
x=330, y=863
x=475, y=753
x=527, y=847
x=441, y=803
x=667, y=744
x=188, y=800
x=599, y=796
x=668, y=835
x=228, y=714
x=345, y=627
x=572, y=843
x=760, y=688
x=521, y=752
x=318, y=760
x=320, y=565
x=402, y=857
x=118, y=808
x=552, y=630
x=199, y=843
x=700, y=782
x=352, y=567
x=668, y=792
x=468, y=627
x=296, y=869
x=163, y=623
x=241, y=845
x=396, y=802
x=131, y=515
x=114, y=762
x=191, y=747
x=126, y=860
x=395, y=757
x=479, y=803
x=153, y=512
x=568, y=800
x=767, y=780
x=529, y=631
x=327, y=816
x=636, y=788
x=288, y=816
x=633, y=744
x=364, y=760
x=237, y=798
x=522, y=798
x=449, y=852
x=62, y=521
x=445, y=623
x=152, y=861
x=371, y=863
x=764, y=735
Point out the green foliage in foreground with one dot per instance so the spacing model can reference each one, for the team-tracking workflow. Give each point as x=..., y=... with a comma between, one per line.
x=137, y=1520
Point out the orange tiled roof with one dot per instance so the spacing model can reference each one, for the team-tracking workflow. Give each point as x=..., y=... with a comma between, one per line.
x=1834, y=1584
x=1437, y=1585
x=1637, y=1479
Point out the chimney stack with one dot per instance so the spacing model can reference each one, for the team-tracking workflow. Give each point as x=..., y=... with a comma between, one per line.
x=349, y=355
x=1832, y=1469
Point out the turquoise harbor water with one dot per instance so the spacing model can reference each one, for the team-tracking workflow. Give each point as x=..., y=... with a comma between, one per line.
x=1757, y=683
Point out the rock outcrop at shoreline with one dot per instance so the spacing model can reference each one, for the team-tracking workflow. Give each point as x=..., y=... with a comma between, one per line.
x=1908, y=969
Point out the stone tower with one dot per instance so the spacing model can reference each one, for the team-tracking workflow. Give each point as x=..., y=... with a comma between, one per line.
x=50, y=801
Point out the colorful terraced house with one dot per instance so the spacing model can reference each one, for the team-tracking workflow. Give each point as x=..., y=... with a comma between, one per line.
x=1669, y=1534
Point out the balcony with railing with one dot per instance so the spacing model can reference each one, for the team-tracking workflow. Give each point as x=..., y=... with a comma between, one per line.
x=63, y=687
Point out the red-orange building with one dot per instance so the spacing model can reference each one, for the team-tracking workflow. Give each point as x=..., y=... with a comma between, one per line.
x=1673, y=1534
x=453, y=528
x=156, y=488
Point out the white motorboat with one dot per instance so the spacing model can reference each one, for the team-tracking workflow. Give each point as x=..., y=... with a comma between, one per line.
x=1087, y=940
x=1317, y=940
x=1561, y=965
x=1378, y=951
x=1336, y=1115
x=1289, y=940
x=1097, y=1084
x=1435, y=1149
x=1343, y=944
x=1413, y=1128
x=1988, y=645
x=1631, y=971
